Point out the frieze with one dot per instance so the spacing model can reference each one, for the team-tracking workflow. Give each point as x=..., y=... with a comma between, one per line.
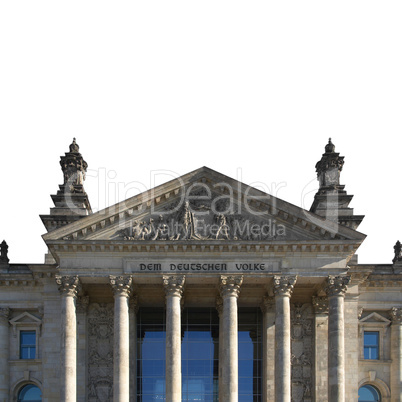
x=206, y=266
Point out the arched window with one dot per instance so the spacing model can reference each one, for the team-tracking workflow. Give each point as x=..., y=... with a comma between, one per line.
x=368, y=393
x=30, y=393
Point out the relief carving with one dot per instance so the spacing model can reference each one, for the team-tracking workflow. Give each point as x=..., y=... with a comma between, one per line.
x=302, y=351
x=204, y=217
x=100, y=352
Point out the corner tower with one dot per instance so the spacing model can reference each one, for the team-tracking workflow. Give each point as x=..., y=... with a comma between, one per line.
x=71, y=201
x=331, y=200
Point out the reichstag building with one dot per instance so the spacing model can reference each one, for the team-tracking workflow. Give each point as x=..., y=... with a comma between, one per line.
x=201, y=289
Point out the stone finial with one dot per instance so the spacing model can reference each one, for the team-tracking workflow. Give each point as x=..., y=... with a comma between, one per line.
x=320, y=304
x=68, y=285
x=397, y=252
x=396, y=315
x=74, y=168
x=174, y=284
x=330, y=147
x=283, y=285
x=121, y=285
x=4, y=252
x=337, y=285
x=267, y=303
x=230, y=285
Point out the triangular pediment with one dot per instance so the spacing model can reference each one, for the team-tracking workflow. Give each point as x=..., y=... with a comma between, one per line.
x=203, y=206
x=25, y=318
x=375, y=318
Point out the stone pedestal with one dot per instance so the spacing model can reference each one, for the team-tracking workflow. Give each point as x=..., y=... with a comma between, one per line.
x=336, y=288
x=268, y=349
x=283, y=288
x=4, y=354
x=229, y=290
x=121, y=286
x=320, y=305
x=396, y=353
x=174, y=290
x=68, y=287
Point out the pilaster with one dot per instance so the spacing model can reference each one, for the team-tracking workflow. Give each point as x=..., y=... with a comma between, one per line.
x=4, y=353
x=396, y=353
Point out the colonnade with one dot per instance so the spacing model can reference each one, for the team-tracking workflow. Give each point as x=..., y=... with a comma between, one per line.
x=229, y=287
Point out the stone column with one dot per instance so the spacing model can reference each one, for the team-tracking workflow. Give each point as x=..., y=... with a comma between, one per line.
x=396, y=353
x=173, y=285
x=82, y=304
x=121, y=286
x=219, y=307
x=268, y=349
x=229, y=290
x=68, y=287
x=336, y=287
x=133, y=310
x=4, y=354
x=283, y=289
x=320, y=388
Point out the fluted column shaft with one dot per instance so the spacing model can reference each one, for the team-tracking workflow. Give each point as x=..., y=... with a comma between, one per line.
x=283, y=288
x=396, y=352
x=229, y=290
x=68, y=287
x=174, y=290
x=121, y=286
x=336, y=288
x=4, y=338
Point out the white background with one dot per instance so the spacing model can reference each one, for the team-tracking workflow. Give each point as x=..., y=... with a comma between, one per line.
x=255, y=87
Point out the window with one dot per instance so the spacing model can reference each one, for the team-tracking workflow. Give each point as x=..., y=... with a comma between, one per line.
x=368, y=393
x=27, y=344
x=371, y=345
x=30, y=393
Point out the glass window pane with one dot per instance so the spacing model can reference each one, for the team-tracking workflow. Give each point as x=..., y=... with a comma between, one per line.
x=27, y=344
x=371, y=345
x=368, y=393
x=30, y=393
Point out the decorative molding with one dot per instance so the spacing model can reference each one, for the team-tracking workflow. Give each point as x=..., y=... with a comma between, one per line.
x=121, y=285
x=4, y=314
x=284, y=285
x=68, y=285
x=320, y=304
x=337, y=285
x=396, y=315
x=267, y=304
x=230, y=285
x=82, y=304
x=173, y=285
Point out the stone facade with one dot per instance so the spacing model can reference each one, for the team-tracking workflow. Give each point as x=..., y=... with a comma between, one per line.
x=202, y=241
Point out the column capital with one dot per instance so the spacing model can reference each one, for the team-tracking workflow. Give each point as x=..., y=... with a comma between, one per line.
x=267, y=303
x=4, y=314
x=320, y=304
x=69, y=285
x=121, y=285
x=230, y=285
x=174, y=285
x=396, y=315
x=336, y=285
x=283, y=285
